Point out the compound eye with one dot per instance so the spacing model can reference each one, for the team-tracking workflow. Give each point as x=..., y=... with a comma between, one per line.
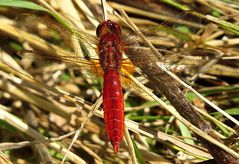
x=115, y=28
x=100, y=28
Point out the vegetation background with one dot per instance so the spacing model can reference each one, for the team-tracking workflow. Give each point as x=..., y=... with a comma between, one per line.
x=49, y=86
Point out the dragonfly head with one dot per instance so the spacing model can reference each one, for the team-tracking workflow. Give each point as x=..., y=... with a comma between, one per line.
x=108, y=27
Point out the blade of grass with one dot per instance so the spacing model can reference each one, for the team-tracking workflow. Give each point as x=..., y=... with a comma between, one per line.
x=33, y=6
x=186, y=133
x=130, y=145
x=137, y=153
x=176, y=4
x=224, y=24
x=22, y=4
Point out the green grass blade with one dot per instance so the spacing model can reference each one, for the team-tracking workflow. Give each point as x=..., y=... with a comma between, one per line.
x=186, y=133
x=33, y=6
x=22, y=4
x=137, y=153
x=231, y=111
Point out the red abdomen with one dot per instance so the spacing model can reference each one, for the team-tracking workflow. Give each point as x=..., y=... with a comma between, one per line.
x=113, y=105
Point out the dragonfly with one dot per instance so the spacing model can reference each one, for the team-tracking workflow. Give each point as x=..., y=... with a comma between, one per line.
x=111, y=44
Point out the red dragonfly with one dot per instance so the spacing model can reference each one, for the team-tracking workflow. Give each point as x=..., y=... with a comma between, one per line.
x=110, y=54
x=111, y=45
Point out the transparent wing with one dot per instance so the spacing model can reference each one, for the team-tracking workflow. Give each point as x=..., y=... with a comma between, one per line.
x=53, y=31
x=89, y=68
x=170, y=31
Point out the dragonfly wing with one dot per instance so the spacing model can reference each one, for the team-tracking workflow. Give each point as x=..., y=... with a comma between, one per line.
x=171, y=33
x=50, y=29
x=191, y=62
x=53, y=62
x=129, y=85
x=151, y=64
x=188, y=62
x=49, y=52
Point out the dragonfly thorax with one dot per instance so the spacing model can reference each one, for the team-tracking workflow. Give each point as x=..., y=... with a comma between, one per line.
x=110, y=51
